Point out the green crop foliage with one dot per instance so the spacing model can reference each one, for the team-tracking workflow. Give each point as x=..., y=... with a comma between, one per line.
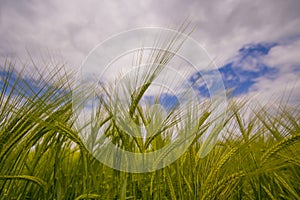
x=42, y=155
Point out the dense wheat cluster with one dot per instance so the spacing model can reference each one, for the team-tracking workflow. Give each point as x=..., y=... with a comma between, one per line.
x=42, y=156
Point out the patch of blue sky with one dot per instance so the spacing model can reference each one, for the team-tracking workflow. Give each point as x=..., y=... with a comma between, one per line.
x=168, y=101
x=254, y=50
x=26, y=86
x=240, y=74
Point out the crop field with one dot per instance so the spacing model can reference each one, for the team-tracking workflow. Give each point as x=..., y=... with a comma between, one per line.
x=43, y=156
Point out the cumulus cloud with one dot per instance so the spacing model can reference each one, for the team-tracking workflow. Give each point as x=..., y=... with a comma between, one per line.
x=268, y=92
x=284, y=58
x=64, y=31
x=75, y=28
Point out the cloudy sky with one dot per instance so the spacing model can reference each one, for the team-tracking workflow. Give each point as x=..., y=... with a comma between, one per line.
x=256, y=44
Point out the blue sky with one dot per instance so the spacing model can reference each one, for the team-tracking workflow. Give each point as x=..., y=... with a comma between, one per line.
x=236, y=78
x=255, y=44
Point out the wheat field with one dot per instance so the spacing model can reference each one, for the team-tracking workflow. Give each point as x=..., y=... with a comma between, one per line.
x=42, y=155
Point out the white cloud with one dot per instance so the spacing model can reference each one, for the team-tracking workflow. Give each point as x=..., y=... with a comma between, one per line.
x=69, y=30
x=75, y=28
x=287, y=85
x=285, y=57
x=268, y=91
